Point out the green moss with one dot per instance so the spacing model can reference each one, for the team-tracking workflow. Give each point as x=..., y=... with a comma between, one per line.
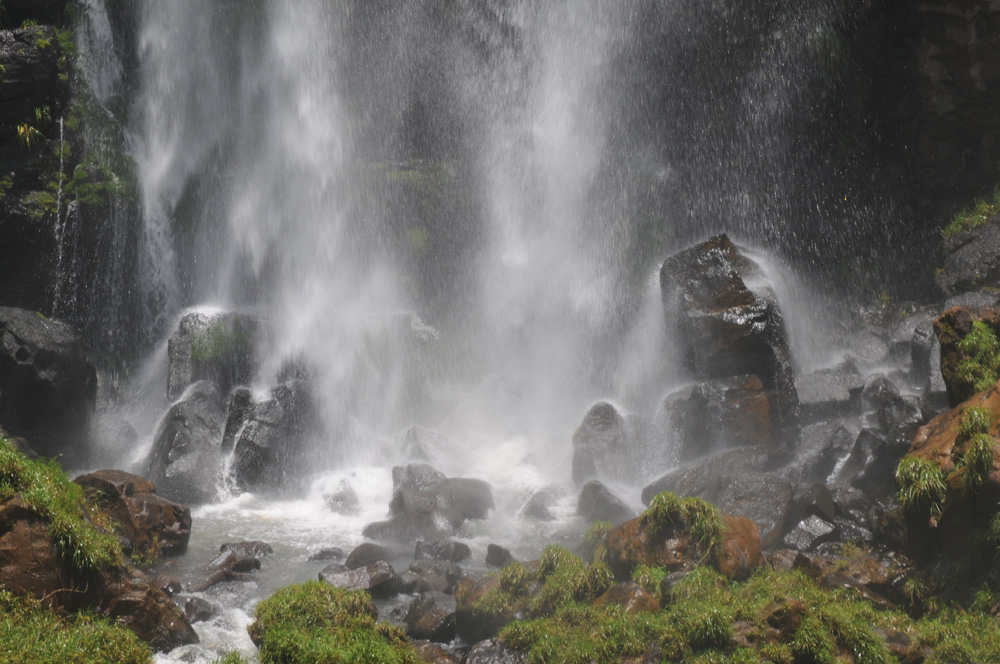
x=921, y=486
x=596, y=533
x=223, y=339
x=29, y=632
x=697, y=517
x=973, y=216
x=316, y=623
x=44, y=487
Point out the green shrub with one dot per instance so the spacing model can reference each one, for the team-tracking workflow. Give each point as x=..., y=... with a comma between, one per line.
x=78, y=527
x=921, y=486
x=316, y=623
x=31, y=633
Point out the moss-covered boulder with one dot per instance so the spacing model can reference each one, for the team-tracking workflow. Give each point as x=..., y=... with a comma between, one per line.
x=679, y=534
x=970, y=350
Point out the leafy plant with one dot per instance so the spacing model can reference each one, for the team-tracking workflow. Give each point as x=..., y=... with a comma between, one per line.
x=974, y=216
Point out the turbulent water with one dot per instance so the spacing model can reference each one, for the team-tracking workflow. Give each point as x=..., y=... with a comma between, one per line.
x=500, y=177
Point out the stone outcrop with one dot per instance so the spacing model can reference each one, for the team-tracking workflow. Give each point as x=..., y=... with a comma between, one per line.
x=219, y=347
x=727, y=329
x=149, y=522
x=47, y=385
x=605, y=445
x=185, y=461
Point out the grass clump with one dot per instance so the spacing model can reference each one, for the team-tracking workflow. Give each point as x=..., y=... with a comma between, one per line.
x=977, y=461
x=979, y=367
x=921, y=487
x=975, y=420
x=973, y=216
x=29, y=632
x=316, y=623
x=649, y=577
x=697, y=517
x=78, y=527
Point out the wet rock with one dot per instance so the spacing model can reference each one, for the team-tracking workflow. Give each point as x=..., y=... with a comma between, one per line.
x=329, y=553
x=729, y=324
x=168, y=584
x=630, y=596
x=922, y=343
x=423, y=444
x=227, y=566
x=185, y=460
x=838, y=446
x=537, y=507
x=830, y=393
x=364, y=555
x=426, y=504
x=492, y=651
x=872, y=463
x=378, y=578
x=867, y=349
x=737, y=483
x=900, y=412
x=268, y=438
x=818, y=500
x=597, y=503
x=200, y=610
x=431, y=616
x=809, y=533
x=29, y=563
x=342, y=501
x=48, y=387
x=218, y=347
x=604, y=445
x=972, y=260
x=446, y=550
x=435, y=575
x=248, y=549
x=147, y=520
x=434, y=653
x=498, y=556
x=878, y=390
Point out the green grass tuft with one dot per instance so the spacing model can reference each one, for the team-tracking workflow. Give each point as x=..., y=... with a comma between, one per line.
x=29, y=632
x=980, y=363
x=649, y=577
x=699, y=518
x=921, y=486
x=316, y=623
x=46, y=489
x=973, y=216
x=975, y=420
x=977, y=461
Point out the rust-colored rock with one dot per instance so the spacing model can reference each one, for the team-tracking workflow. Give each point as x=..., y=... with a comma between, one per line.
x=145, y=517
x=630, y=595
x=630, y=544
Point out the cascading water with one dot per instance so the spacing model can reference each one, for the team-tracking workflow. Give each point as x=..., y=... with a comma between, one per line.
x=290, y=160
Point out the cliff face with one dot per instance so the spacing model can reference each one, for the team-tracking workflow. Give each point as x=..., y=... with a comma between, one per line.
x=937, y=93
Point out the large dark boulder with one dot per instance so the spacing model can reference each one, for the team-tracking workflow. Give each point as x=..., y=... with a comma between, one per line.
x=597, y=503
x=148, y=521
x=605, y=445
x=427, y=505
x=219, y=347
x=971, y=260
x=724, y=328
x=186, y=458
x=47, y=385
x=268, y=438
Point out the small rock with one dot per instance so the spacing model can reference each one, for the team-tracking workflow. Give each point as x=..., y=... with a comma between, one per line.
x=199, y=610
x=252, y=549
x=809, y=533
x=435, y=575
x=364, y=555
x=168, y=584
x=329, y=553
x=492, y=651
x=597, y=503
x=537, y=507
x=378, y=578
x=431, y=616
x=630, y=596
x=497, y=556
x=447, y=550
x=344, y=500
